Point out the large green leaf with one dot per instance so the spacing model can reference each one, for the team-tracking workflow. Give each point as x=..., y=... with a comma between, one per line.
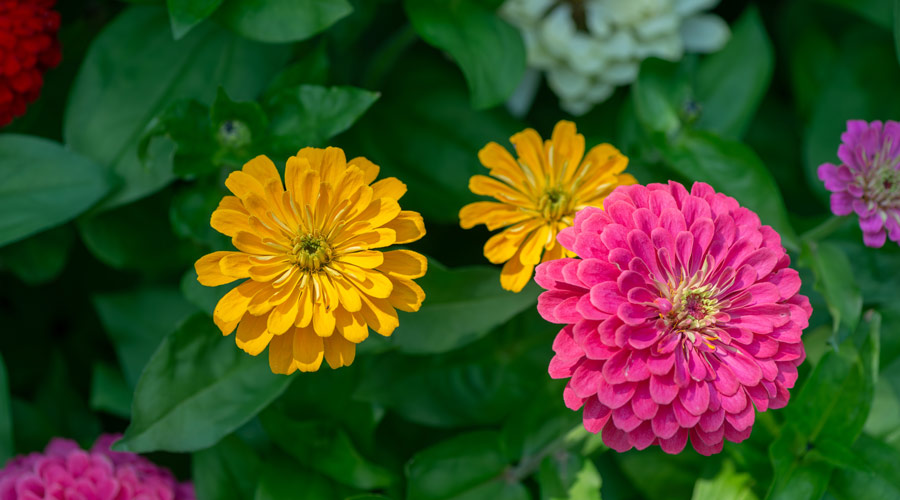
x=875, y=11
x=110, y=392
x=835, y=280
x=7, y=447
x=185, y=14
x=489, y=51
x=43, y=185
x=734, y=169
x=326, y=448
x=874, y=476
x=137, y=321
x=467, y=466
x=826, y=416
x=729, y=93
x=134, y=70
x=279, y=21
x=309, y=115
x=197, y=387
x=461, y=306
x=281, y=479
x=567, y=476
x=227, y=471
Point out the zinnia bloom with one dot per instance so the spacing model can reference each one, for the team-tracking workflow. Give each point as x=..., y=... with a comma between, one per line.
x=65, y=471
x=28, y=47
x=312, y=251
x=538, y=196
x=868, y=179
x=682, y=315
x=589, y=47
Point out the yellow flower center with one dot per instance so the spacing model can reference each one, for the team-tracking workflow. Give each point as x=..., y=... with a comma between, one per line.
x=311, y=252
x=554, y=204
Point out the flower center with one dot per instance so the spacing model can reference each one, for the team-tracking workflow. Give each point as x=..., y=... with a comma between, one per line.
x=310, y=252
x=882, y=181
x=554, y=204
x=693, y=310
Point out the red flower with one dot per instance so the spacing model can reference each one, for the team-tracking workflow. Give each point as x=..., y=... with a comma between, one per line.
x=683, y=318
x=28, y=47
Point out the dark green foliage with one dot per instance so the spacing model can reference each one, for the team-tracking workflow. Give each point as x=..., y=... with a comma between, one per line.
x=108, y=183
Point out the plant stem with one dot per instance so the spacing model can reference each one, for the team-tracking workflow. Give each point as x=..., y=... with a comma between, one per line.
x=824, y=229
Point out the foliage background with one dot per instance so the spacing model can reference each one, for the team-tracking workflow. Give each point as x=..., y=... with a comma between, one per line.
x=106, y=329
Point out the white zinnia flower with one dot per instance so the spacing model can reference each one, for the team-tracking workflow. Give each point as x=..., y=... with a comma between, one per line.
x=589, y=47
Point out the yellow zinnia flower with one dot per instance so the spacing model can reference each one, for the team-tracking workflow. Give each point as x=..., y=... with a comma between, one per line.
x=311, y=250
x=538, y=196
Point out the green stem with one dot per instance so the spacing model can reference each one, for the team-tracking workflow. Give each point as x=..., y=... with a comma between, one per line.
x=824, y=229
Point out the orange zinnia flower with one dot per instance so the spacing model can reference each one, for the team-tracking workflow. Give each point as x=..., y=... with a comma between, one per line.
x=312, y=252
x=538, y=196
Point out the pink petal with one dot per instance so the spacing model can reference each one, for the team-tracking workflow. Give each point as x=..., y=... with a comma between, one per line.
x=663, y=389
x=695, y=397
x=616, y=395
x=614, y=368
x=593, y=271
x=665, y=424
x=703, y=448
x=685, y=418
x=742, y=420
x=642, y=404
x=712, y=420
x=625, y=418
x=615, y=438
x=674, y=444
x=595, y=415
x=606, y=297
x=642, y=437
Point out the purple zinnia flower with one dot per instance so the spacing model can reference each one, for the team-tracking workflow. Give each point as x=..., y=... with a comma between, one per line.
x=868, y=179
x=66, y=472
x=682, y=318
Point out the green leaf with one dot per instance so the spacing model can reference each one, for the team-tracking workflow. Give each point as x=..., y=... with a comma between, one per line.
x=185, y=14
x=197, y=387
x=444, y=394
x=835, y=280
x=587, y=483
x=190, y=213
x=239, y=128
x=325, y=448
x=728, y=484
x=876, y=477
x=461, y=305
x=227, y=471
x=280, y=21
x=659, y=94
x=312, y=69
x=489, y=50
x=467, y=466
x=185, y=123
x=730, y=93
x=109, y=391
x=425, y=103
x=884, y=419
x=734, y=169
x=40, y=258
x=309, y=115
x=282, y=479
x=136, y=236
x=830, y=409
x=134, y=70
x=7, y=446
x=43, y=185
x=137, y=321
x=875, y=11
x=567, y=476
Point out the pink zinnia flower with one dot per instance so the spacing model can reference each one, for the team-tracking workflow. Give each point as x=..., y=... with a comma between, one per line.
x=868, y=179
x=682, y=315
x=66, y=472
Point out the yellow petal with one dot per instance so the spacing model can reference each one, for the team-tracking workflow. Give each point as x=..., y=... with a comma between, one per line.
x=504, y=167
x=282, y=317
x=406, y=295
x=488, y=186
x=379, y=212
x=503, y=245
x=404, y=264
x=367, y=259
x=294, y=170
x=351, y=326
x=530, y=150
x=379, y=315
x=408, y=226
x=348, y=294
x=390, y=187
x=370, y=169
x=492, y=214
x=243, y=184
x=252, y=244
x=269, y=272
x=329, y=162
x=323, y=320
x=375, y=238
x=567, y=151
x=281, y=354
x=368, y=281
x=534, y=246
x=236, y=264
x=262, y=169
x=233, y=305
x=229, y=222
x=339, y=352
x=305, y=311
x=252, y=335
x=309, y=350
x=208, y=271
x=515, y=275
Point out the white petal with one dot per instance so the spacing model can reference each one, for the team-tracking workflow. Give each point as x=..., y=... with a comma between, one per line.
x=620, y=73
x=620, y=46
x=576, y=108
x=704, y=33
x=557, y=30
x=568, y=84
x=656, y=26
x=668, y=47
x=586, y=55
